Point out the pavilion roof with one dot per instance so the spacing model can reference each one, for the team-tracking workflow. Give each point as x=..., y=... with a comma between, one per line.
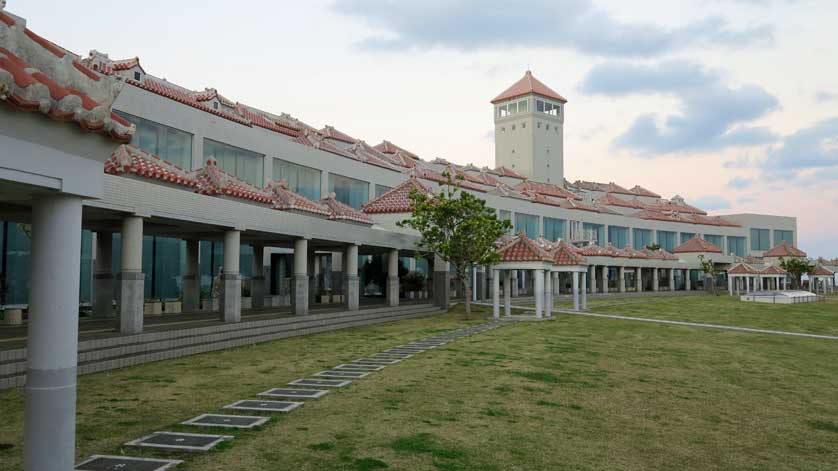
x=742, y=269
x=528, y=84
x=773, y=270
x=396, y=200
x=697, y=245
x=784, y=249
x=523, y=249
x=821, y=270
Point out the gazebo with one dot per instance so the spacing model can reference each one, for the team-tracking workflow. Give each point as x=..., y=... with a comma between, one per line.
x=775, y=276
x=522, y=253
x=827, y=276
x=742, y=277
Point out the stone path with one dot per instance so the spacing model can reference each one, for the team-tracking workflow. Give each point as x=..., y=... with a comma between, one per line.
x=300, y=389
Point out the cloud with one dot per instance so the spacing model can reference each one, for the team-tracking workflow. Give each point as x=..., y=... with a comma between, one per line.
x=710, y=202
x=824, y=96
x=712, y=114
x=740, y=183
x=746, y=200
x=812, y=148
x=468, y=25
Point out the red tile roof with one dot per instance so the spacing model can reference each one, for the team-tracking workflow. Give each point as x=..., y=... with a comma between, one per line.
x=565, y=254
x=367, y=154
x=286, y=200
x=316, y=140
x=396, y=200
x=562, y=203
x=331, y=133
x=527, y=85
x=697, y=245
x=420, y=171
x=630, y=252
x=523, y=249
x=640, y=191
x=742, y=269
x=68, y=95
x=602, y=187
x=546, y=189
x=821, y=270
x=389, y=148
x=594, y=250
x=508, y=172
x=773, y=270
x=214, y=181
x=127, y=159
x=784, y=250
x=344, y=212
x=655, y=215
x=484, y=177
x=609, y=199
x=660, y=254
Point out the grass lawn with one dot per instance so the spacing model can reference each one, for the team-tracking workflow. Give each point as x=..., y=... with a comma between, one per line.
x=813, y=318
x=576, y=393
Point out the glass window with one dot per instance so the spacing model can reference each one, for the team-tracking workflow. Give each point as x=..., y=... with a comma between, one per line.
x=554, y=229
x=736, y=246
x=539, y=106
x=667, y=240
x=528, y=224
x=167, y=143
x=17, y=260
x=523, y=106
x=780, y=236
x=760, y=239
x=300, y=179
x=502, y=111
x=642, y=238
x=513, y=108
x=242, y=163
x=348, y=190
x=505, y=215
x=618, y=236
x=595, y=232
x=86, y=275
x=685, y=236
x=716, y=240
x=381, y=189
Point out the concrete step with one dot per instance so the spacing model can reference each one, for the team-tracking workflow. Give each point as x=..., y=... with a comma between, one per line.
x=121, y=351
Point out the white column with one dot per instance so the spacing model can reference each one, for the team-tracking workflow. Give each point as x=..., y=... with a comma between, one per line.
x=352, y=288
x=539, y=292
x=605, y=280
x=687, y=280
x=299, y=284
x=393, y=278
x=515, y=283
x=655, y=279
x=548, y=294
x=231, y=294
x=131, y=278
x=730, y=284
x=575, y=276
x=622, y=281
x=496, y=294
x=191, y=277
x=639, y=280
x=592, y=287
x=52, y=343
x=671, y=272
x=584, y=291
x=507, y=292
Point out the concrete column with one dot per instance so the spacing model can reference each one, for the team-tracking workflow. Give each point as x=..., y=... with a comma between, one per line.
x=52, y=343
x=351, y=284
x=604, y=280
x=507, y=292
x=548, y=294
x=131, y=279
x=671, y=279
x=655, y=279
x=622, y=281
x=514, y=283
x=231, y=280
x=575, y=277
x=592, y=284
x=442, y=284
x=103, y=277
x=639, y=280
x=496, y=294
x=687, y=280
x=584, y=292
x=538, y=276
x=299, y=282
x=191, y=277
x=257, y=280
x=730, y=284
x=557, y=283
x=393, y=278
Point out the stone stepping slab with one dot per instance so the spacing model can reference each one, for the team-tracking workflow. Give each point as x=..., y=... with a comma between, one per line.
x=292, y=393
x=349, y=366
x=391, y=356
x=420, y=348
x=401, y=351
x=377, y=361
x=125, y=463
x=263, y=406
x=321, y=383
x=228, y=421
x=178, y=441
x=340, y=374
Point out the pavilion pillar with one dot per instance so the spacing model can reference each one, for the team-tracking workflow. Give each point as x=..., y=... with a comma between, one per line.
x=622, y=281
x=687, y=280
x=575, y=277
x=639, y=280
x=592, y=284
x=605, y=280
x=655, y=279
x=538, y=280
x=191, y=277
x=584, y=292
x=231, y=293
x=730, y=284
x=514, y=283
x=557, y=283
x=52, y=343
x=103, y=276
x=548, y=294
x=507, y=292
x=393, y=278
x=299, y=282
x=442, y=284
x=131, y=279
x=352, y=284
x=257, y=280
x=671, y=272
x=496, y=294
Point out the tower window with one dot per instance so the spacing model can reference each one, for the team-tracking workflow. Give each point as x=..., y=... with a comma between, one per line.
x=523, y=125
x=513, y=108
x=513, y=127
x=548, y=127
x=538, y=125
x=215, y=105
x=137, y=76
x=523, y=106
x=502, y=129
x=502, y=111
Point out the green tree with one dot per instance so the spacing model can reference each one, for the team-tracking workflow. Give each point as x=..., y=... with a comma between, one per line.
x=653, y=247
x=710, y=271
x=458, y=227
x=796, y=267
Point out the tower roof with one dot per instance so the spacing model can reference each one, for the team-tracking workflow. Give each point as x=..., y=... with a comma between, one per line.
x=527, y=85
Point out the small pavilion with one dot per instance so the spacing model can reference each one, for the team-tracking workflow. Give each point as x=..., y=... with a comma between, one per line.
x=742, y=278
x=822, y=279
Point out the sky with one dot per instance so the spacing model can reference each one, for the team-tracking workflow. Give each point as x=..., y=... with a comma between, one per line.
x=732, y=104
